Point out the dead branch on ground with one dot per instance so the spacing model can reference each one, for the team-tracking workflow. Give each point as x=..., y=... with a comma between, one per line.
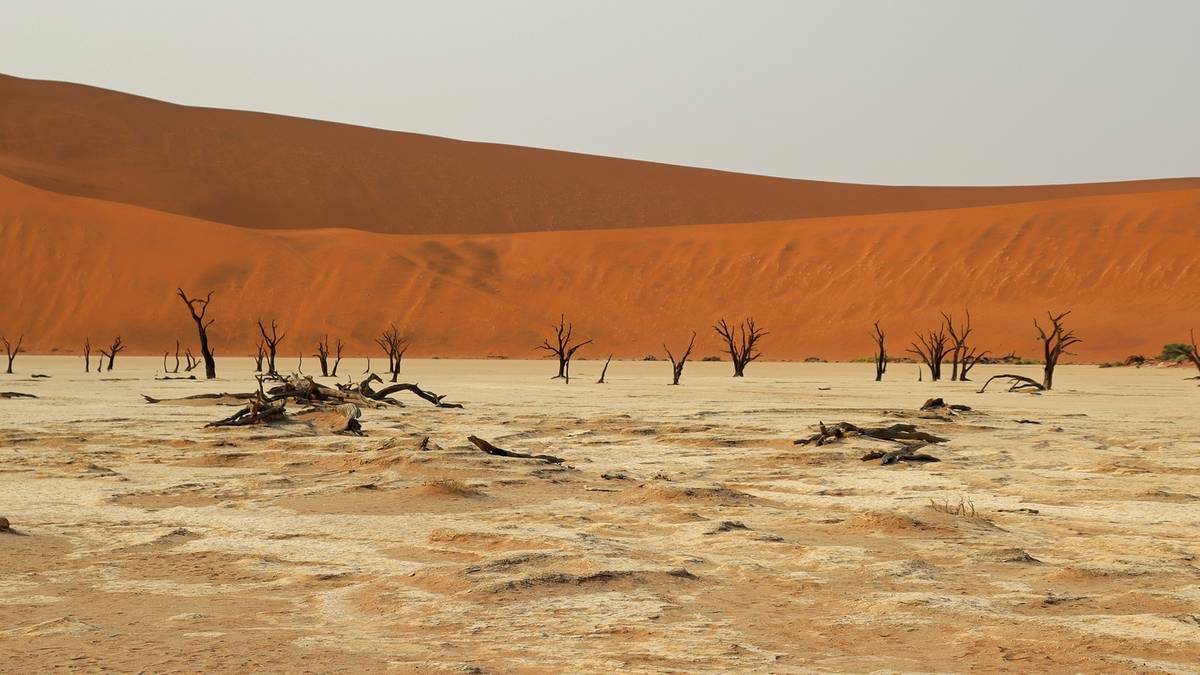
x=501, y=452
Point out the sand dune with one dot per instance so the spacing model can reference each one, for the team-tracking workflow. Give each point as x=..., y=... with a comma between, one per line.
x=1125, y=264
x=268, y=171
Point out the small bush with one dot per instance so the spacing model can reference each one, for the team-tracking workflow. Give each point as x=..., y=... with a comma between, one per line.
x=1175, y=351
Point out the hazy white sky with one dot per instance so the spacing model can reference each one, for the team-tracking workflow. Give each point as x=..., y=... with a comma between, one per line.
x=916, y=92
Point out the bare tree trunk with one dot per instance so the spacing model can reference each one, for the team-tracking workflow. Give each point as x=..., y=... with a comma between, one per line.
x=87, y=355
x=337, y=359
x=322, y=355
x=677, y=365
x=117, y=347
x=604, y=371
x=881, y=356
x=198, y=308
x=272, y=341
x=12, y=351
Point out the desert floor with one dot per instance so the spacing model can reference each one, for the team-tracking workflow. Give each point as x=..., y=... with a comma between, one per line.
x=687, y=532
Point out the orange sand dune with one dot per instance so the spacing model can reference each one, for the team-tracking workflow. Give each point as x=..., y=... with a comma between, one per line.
x=274, y=172
x=1126, y=265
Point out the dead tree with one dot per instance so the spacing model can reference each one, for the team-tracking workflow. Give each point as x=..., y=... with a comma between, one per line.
x=87, y=355
x=258, y=358
x=337, y=358
x=931, y=350
x=881, y=356
x=1054, y=344
x=963, y=356
x=970, y=359
x=117, y=347
x=1192, y=351
x=198, y=308
x=192, y=361
x=12, y=351
x=604, y=370
x=394, y=345
x=677, y=366
x=740, y=343
x=272, y=341
x=322, y=355
x=561, y=348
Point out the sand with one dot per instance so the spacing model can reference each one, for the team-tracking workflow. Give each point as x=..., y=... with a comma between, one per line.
x=1125, y=264
x=270, y=171
x=687, y=533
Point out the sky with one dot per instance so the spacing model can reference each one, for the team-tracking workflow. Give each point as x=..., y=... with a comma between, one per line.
x=934, y=92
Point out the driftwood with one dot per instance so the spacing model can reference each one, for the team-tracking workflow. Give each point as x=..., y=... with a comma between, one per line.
x=898, y=433
x=201, y=397
x=501, y=452
x=15, y=394
x=1019, y=383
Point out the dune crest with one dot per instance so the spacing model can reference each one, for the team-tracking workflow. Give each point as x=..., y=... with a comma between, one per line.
x=275, y=172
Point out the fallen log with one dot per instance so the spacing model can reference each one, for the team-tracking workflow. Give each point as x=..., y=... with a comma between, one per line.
x=501, y=452
x=907, y=453
x=15, y=394
x=1019, y=383
x=897, y=432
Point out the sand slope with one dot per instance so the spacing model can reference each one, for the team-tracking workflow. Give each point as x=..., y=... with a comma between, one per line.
x=269, y=171
x=1126, y=264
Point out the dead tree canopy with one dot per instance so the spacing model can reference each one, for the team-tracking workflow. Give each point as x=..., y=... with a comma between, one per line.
x=394, y=345
x=931, y=350
x=562, y=347
x=198, y=308
x=272, y=341
x=1055, y=343
x=741, y=343
x=881, y=356
x=677, y=364
x=11, y=351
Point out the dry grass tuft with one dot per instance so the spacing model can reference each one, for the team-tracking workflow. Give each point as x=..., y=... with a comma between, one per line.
x=964, y=507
